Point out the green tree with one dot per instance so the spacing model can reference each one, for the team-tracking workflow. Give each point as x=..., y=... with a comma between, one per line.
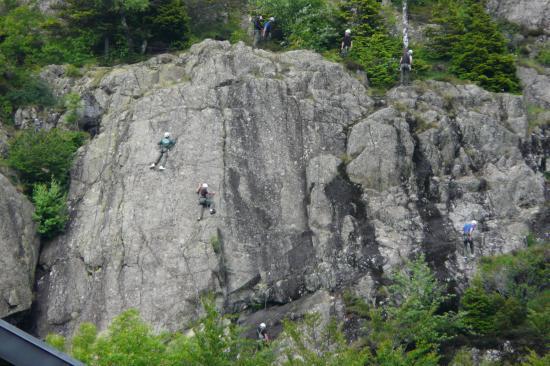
x=40, y=155
x=50, y=203
x=362, y=16
x=129, y=341
x=309, y=342
x=470, y=40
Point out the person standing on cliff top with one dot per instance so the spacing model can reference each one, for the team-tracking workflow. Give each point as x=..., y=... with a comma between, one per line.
x=267, y=28
x=165, y=145
x=258, y=27
x=347, y=43
x=405, y=64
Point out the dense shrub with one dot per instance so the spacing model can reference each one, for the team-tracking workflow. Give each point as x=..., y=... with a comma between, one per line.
x=471, y=42
x=50, y=209
x=39, y=156
x=509, y=298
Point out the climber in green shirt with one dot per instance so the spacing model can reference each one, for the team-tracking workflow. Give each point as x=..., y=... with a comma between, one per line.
x=164, y=145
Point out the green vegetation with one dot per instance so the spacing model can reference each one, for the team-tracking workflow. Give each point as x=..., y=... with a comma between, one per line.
x=471, y=42
x=50, y=209
x=544, y=57
x=72, y=103
x=416, y=324
x=130, y=341
x=510, y=299
x=39, y=156
x=42, y=160
x=303, y=23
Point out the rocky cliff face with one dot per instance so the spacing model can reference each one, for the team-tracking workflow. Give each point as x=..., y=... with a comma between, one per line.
x=534, y=15
x=317, y=186
x=19, y=246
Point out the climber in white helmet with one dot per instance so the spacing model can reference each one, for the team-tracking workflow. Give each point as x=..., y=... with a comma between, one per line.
x=205, y=200
x=268, y=27
x=262, y=332
x=347, y=43
x=405, y=65
x=468, y=231
x=165, y=145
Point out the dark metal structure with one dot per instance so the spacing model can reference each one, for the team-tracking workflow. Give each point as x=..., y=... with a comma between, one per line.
x=21, y=349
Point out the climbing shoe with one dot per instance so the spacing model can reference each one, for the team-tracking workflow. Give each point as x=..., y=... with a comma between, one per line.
x=162, y=168
x=212, y=211
x=152, y=166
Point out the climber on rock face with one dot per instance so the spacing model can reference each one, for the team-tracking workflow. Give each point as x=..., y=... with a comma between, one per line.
x=261, y=331
x=164, y=145
x=205, y=200
x=347, y=43
x=468, y=231
x=405, y=65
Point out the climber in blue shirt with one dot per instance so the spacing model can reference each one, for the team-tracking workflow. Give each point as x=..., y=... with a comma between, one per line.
x=164, y=145
x=267, y=28
x=468, y=231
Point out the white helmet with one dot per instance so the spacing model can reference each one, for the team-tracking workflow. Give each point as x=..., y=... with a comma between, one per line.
x=167, y=134
x=204, y=185
x=262, y=325
x=410, y=52
x=272, y=19
x=474, y=222
x=348, y=31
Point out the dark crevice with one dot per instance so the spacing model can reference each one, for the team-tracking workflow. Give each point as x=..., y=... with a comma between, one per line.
x=439, y=238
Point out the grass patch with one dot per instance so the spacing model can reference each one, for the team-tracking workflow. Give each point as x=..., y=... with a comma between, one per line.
x=533, y=64
x=537, y=116
x=216, y=244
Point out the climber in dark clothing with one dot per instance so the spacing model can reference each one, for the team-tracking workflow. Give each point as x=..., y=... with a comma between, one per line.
x=261, y=331
x=468, y=231
x=258, y=27
x=347, y=43
x=405, y=65
x=205, y=200
x=164, y=145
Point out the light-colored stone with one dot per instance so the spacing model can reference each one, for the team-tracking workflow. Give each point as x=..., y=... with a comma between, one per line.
x=19, y=246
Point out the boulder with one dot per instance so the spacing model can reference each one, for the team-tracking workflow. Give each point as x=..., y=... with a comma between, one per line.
x=20, y=246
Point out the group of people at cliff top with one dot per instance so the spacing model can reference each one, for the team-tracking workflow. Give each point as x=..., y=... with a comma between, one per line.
x=205, y=196
x=262, y=31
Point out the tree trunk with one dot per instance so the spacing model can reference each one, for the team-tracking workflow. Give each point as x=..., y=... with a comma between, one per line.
x=126, y=31
x=106, y=47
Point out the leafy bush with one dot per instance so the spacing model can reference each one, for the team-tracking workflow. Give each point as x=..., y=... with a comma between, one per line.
x=40, y=156
x=308, y=342
x=50, y=209
x=72, y=103
x=509, y=298
x=379, y=55
x=544, y=57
